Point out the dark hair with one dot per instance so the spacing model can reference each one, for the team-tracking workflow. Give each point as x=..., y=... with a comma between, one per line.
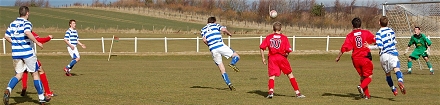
x=211, y=20
x=383, y=21
x=23, y=11
x=276, y=26
x=356, y=22
x=417, y=27
x=72, y=20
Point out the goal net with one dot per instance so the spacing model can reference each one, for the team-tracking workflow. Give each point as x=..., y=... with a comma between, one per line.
x=403, y=17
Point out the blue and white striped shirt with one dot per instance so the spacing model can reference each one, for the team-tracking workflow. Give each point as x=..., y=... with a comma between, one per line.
x=21, y=44
x=386, y=41
x=213, y=36
x=72, y=36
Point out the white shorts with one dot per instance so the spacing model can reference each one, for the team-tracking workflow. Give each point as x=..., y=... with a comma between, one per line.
x=73, y=53
x=29, y=64
x=389, y=62
x=222, y=51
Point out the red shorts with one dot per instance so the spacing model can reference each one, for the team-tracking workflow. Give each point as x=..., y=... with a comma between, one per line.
x=363, y=66
x=39, y=63
x=278, y=63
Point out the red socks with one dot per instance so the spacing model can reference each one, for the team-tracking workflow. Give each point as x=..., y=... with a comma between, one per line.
x=24, y=79
x=43, y=79
x=294, y=84
x=365, y=82
x=364, y=86
x=271, y=84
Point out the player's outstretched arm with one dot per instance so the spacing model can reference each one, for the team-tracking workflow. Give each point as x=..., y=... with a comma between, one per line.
x=226, y=31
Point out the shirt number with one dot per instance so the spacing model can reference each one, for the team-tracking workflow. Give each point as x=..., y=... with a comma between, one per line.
x=358, y=39
x=275, y=43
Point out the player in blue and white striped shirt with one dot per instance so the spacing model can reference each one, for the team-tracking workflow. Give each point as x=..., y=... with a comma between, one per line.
x=386, y=41
x=71, y=40
x=212, y=37
x=21, y=39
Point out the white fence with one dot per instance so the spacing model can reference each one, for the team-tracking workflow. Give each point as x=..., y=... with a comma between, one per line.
x=165, y=39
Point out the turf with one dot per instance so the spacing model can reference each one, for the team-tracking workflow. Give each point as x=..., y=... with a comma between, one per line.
x=95, y=19
x=194, y=79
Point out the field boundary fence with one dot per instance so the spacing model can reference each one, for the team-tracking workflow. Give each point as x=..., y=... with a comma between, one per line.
x=198, y=40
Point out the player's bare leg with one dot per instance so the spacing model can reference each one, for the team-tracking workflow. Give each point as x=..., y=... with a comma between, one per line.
x=225, y=76
x=295, y=86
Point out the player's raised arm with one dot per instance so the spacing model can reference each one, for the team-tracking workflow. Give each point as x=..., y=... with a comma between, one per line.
x=223, y=28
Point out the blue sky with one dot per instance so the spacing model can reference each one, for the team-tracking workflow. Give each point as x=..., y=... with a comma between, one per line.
x=63, y=2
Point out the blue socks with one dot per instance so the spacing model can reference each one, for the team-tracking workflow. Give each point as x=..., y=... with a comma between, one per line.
x=71, y=64
x=234, y=60
x=399, y=76
x=226, y=78
x=38, y=86
x=12, y=82
x=390, y=81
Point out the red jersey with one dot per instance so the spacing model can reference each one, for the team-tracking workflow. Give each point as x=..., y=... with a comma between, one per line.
x=355, y=40
x=277, y=43
x=41, y=40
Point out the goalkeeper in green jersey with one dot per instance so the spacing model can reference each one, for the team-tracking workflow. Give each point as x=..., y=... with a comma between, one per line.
x=422, y=44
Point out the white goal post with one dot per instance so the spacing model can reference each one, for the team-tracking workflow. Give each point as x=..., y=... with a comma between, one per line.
x=404, y=16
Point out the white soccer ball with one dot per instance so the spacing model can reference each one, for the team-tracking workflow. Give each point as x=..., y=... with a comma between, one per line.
x=273, y=14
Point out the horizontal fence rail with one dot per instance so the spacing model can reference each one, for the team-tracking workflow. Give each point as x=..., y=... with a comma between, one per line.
x=198, y=39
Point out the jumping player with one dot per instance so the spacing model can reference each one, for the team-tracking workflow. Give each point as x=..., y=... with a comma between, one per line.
x=213, y=38
x=279, y=49
x=357, y=40
x=386, y=42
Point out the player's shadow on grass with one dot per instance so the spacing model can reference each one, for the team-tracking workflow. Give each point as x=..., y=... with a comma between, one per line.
x=355, y=96
x=264, y=94
x=202, y=87
x=23, y=99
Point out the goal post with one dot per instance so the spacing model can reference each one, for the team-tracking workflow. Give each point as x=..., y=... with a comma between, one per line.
x=403, y=17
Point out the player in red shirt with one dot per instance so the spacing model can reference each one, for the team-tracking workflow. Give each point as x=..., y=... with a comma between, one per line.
x=43, y=77
x=279, y=49
x=358, y=40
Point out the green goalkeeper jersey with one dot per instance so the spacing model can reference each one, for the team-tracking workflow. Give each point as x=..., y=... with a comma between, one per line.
x=420, y=41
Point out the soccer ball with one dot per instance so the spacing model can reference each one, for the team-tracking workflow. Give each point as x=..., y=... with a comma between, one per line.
x=273, y=13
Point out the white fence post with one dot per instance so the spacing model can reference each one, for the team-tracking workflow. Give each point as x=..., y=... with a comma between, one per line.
x=229, y=41
x=197, y=44
x=166, y=48
x=328, y=42
x=135, y=44
x=293, y=43
x=261, y=39
x=35, y=47
x=4, y=49
x=102, y=42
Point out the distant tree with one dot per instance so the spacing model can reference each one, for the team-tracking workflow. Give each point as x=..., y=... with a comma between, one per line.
x=318, y=10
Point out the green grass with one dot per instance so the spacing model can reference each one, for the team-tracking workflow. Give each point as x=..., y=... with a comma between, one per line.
x=164, y=80
x=95, y=19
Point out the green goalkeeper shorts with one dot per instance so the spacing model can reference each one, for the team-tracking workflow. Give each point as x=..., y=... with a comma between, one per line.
x=417, y=53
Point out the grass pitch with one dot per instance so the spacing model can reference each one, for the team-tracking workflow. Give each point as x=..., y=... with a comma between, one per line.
x=194, y=79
